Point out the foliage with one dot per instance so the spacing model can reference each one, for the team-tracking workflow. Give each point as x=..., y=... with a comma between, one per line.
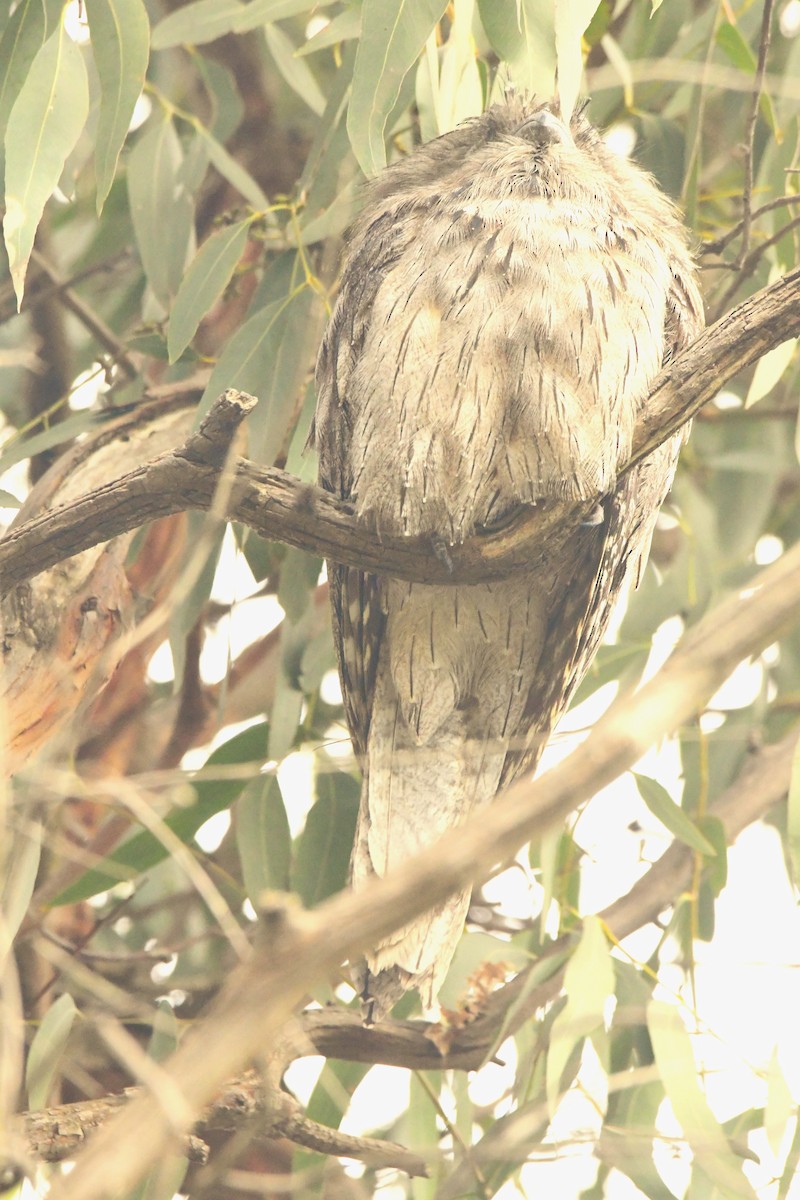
x=178, y=178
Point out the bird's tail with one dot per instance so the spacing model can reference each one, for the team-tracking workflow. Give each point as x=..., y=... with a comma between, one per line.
x=449, y=689
x=410, y=797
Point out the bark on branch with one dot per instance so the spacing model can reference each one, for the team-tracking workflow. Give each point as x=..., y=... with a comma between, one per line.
x=281, y=508
x=55, y=1134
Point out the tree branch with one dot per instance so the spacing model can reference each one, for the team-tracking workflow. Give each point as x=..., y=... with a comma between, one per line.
x=54, y=1134
x=263, y=992
x=281, y=508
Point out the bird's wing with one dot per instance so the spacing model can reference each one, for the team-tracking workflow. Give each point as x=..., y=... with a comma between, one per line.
x=621, y=545
x=358, y=618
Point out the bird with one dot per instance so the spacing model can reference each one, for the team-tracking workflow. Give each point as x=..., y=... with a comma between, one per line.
x=509, y=291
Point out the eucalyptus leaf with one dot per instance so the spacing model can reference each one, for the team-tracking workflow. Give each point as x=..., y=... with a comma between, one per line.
x=209, y=274
x=46, y=1050
x=145, y=850
x=671, y=815
x=793, y=816
x=236, y=175
x=524, y=35
x=678, y=1071
x=572, y=18
x=588, y=983
x=198, y=23
x=297, y=73
x=393, y=33
x=263, y=839
x=268, y=356
x=161, y=209
x=19, y=867
x=43, y=126
x=121, y=48
x=323, y=849
x=341, y=28
x=328, y=1104
x=28, y=26
x=20, y=447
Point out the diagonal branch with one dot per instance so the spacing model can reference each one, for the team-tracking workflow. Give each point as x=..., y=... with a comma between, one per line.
x=56, y=1133
x=281, y=508
x=300, y=948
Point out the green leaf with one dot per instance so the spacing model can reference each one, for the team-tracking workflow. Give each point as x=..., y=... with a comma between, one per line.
x=164, y=1037
x=716, y=868
x=164, y=1181
x=268, y=356
x=207, y=20
x=297, y=73
x=572, y=18
x=27, y=28
x=9, y=500
x=263, y=838
x=196, y=24
x=588, y=983
x=630, y=1112
x=46, y=1050
x=393, y=33
x=780, y=1105
x=734, y=46
x=18, y=877
x=334, y=220
x=789, y=1175
x=161, y=209
x=419, y=1128
x=524, y=34
x=260, y=12
x=43, y=127
x=323, y=848
x=231, y=170
x=284, y=717
x=769, y=370
x=227, y=106
x=675, y=1061
x=328, y=1103
x=299, y=575
x=20, y=448
x=453, y=77
x=144, y=850
x=205, y=281
x=793, y=815
x=121, y=47
x=341, y=28
x=671, y=815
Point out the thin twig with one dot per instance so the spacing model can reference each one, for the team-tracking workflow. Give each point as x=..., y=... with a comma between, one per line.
x=722, y=243
x=88, y=318
x=750, y=265
x=40, y=286
x=758, y=86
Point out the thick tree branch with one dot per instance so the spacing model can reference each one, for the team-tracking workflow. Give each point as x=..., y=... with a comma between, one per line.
x=264, y=991
x=281, y=508
x=55, y=1134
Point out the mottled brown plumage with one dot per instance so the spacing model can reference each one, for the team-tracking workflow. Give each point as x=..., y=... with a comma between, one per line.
x=510, y=291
